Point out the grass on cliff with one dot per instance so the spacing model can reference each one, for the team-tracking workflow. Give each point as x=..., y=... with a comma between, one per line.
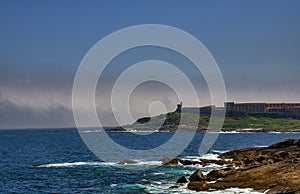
x=231, y=122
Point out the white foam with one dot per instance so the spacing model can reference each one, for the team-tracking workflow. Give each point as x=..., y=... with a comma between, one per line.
x=91, y=131
x=72, y=164
x=157, y=174
x=150, y=163
x=260, y=146
x=229, y=132
x=210, y=156
x=69, y=164
x=220, y=151
x=158, y=187
x=113, y=185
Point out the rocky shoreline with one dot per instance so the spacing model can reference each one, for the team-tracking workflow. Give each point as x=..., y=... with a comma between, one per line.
x=188, y=129
x=272, y=169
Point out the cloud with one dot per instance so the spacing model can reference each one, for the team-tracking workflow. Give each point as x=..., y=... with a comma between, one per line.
x=35, y=97
x=17, y=116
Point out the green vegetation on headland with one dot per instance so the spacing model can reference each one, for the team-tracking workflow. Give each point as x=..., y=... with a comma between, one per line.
x=232, y=122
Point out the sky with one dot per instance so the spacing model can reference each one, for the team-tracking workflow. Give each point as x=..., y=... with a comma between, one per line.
x=255, y=43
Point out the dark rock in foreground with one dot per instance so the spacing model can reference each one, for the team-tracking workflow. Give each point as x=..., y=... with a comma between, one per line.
x=215, y=174
x=197, y=176
x=182, y=180
x=199, y=186
x=273, y=169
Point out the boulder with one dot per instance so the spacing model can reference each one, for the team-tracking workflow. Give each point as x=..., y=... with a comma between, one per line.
x=284, y=144
x=273, y=169
x=182, y=180
x=262, y=158
x=197, y=176
x=187, y=162
x=177, y=185
x=175, y=161
x=198, y=186
x=215, y=174
x=217, y=186
x=170, y=161
x=205, y=162
x=279, y=156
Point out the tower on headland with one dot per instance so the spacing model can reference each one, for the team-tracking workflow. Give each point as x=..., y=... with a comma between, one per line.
x=179, y=107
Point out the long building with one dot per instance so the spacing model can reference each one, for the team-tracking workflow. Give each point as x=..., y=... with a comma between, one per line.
x=263, y=107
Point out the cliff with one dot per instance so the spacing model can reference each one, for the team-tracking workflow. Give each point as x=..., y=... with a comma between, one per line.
x=233, y=122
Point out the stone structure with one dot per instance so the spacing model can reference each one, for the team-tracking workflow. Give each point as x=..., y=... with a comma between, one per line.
x=286, y=108
x=179, y=107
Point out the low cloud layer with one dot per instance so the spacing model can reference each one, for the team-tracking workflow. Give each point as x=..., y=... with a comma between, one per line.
x=42, y=98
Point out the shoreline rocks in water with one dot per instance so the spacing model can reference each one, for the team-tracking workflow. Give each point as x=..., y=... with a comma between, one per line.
x=204, y=162
x=174, y=128
x=272, y=169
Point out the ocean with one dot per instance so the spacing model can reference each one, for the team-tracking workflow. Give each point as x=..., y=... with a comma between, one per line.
x=58, y=161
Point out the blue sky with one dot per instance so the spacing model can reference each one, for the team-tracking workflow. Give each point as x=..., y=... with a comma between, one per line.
x=256, y=44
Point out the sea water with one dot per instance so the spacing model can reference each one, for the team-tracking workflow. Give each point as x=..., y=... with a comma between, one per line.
x=58, y=161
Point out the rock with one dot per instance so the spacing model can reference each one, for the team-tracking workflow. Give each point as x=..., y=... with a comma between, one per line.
x=215, y=174
x=205, y=162
x=177, y=185
x=262, y=158
x=273, y=169
x=187, y=162
x=182, y=180
x=197, y=176
x=279, y=156
x=127, y=162
x=175, y=161
x=117, y=129
x=170, y=161
x=217, y=186
x=285, y=143
x=198, y=186
x=280, y=189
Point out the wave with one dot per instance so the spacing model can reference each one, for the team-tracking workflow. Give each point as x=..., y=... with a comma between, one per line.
x=92, y=131
x=230, y=132
x=160, y=187
x=70, y=164
x=219, y=151
x=260, y=146
x=73, y=164
x=210, y=156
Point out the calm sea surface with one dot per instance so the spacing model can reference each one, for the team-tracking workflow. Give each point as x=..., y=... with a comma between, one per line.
x=58, y=161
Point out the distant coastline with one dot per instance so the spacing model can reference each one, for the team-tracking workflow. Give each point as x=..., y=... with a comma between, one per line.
x=240, y=117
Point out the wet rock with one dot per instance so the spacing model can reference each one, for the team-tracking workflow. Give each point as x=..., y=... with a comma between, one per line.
x=127, y=162
x=205, y=162
x=188, y=162
x=285, y=143
x=273, y=169
x=175, y=161
x=217, y=186
x=280, y=189
x=197, y=176
x=198, y=186
x=182, y=180
x=177, y=185
x=117, y=129
x=170, y=161
x=215, y=174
